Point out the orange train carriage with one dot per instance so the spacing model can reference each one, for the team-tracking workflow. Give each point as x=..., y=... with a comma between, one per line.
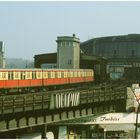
x=31, y=78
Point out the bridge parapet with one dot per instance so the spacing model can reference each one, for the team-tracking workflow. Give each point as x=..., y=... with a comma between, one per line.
x=58, y=99
x=28, y=110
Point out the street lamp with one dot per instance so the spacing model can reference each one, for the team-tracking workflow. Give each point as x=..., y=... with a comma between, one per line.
x=137, y=96
x=104, y=133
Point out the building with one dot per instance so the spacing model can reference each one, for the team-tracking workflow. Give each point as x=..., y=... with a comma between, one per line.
x=85, y=62
x=120, y=51
x=102, y=126
x=68, y=52
x=69, y=56
x=2, y=59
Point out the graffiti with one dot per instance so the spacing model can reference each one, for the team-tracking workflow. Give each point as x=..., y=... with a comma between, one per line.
x=62, y=100
x=105, y=118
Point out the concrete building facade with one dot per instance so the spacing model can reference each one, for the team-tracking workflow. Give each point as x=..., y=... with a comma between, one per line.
x=120, y=51
x=2, y=59
x=68, y=52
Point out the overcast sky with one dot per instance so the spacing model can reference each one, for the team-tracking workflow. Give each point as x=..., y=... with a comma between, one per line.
x=30, y=28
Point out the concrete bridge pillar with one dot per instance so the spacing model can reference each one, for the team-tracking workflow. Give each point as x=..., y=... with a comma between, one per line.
x=43, y=131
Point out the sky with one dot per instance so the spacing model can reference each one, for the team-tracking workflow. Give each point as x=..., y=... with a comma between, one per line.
x=29, y=28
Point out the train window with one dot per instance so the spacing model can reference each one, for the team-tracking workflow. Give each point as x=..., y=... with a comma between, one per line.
x=49, y=74
x=82, y=74
x=75, y=74
x=23, y=75
x=71, y=74
x=56, y=74
x=16, y=75
x=0, y=75
x=52, y=75
x=66, y=74
x=62, y=74
x=38, y=75
x=79, y=74
x=91, y=73
x=10, y=75
x=85, y=74
x=33, y=75
x=45, y=74
x=3, y=75
x=28, y=75
x=59, y=74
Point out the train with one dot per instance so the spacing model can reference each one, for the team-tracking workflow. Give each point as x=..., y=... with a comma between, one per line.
x=35, y=79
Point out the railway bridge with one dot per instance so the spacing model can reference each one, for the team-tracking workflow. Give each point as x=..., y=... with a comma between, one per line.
x=18, y=112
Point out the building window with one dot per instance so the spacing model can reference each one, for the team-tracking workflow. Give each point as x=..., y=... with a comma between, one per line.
x=69, y=61
x=70, y=44
x=60, y=44
x=132, y=52
x=115, y=52
x=63, y=43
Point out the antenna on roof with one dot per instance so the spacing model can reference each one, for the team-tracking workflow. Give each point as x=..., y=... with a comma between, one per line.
x=73, y=35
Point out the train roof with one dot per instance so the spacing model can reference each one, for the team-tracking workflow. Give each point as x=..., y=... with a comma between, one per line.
x=40, y=69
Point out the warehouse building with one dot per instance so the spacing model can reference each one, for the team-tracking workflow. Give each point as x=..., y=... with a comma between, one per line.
x=121, y=52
